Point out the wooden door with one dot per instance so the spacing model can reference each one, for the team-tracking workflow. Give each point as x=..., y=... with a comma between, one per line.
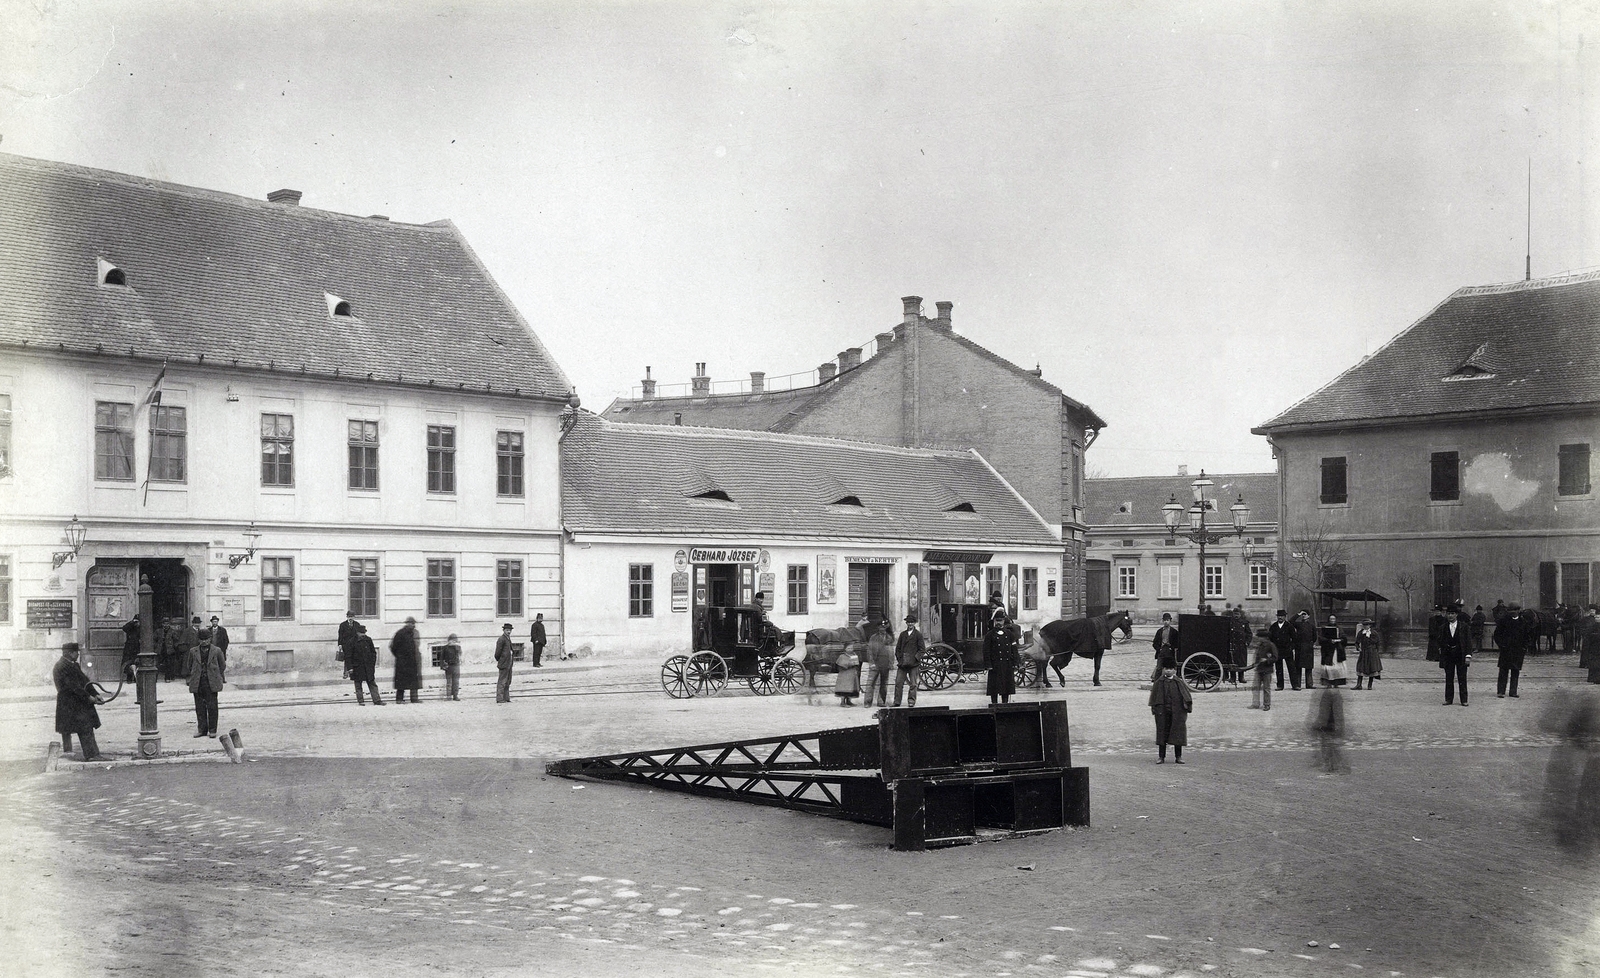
x=1097, y=582
x=113, y=588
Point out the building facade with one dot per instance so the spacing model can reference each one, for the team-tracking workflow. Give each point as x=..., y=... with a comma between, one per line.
x=270, y=414
x=918, y=385
x=1136, y=564
x=1457, y=461
x=665, y=521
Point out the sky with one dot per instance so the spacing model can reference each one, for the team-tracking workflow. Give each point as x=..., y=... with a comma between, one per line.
x=1189, y=215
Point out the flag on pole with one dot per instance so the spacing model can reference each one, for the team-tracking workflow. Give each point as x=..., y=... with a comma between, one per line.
x=153, y=395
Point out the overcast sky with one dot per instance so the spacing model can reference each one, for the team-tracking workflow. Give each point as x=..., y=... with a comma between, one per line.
x=1191, y=215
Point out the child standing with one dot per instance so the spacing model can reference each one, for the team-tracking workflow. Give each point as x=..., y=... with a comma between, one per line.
x=1171, y=702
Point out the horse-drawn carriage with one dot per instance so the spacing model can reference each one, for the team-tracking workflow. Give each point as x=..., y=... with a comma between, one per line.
x=1204, y=645
x=1053, y=643
x=734, y=643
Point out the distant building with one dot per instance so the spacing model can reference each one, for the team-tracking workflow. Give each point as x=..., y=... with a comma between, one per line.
x=919, y=385
x=663, y=522
x=1457, y=461
x=272, y=413
x=1135, y=565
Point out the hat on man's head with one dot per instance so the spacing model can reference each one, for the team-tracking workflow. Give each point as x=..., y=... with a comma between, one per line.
x=1282, y=613
x=996, y=599
x=215, y=618
x=71, y=647
x=351, y=613
x=195, y=620
x=1169, y=662
x=1166, y=616
x=1478, y=608
x=410, y=620
x=911, y=619
x=506, y=627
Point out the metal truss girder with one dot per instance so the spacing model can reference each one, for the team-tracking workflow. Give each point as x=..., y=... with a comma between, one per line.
x=777, y=789
x=758, y=754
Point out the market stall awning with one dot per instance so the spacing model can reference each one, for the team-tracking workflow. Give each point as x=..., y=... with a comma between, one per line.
x=1348, y=594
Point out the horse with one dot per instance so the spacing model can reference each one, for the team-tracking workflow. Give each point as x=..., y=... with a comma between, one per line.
x=823, y=646
x=1057, y=641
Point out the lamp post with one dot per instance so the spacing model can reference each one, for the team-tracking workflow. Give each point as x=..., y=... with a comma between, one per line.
x=1197, y=532
x=76, y=531
x=145, y=674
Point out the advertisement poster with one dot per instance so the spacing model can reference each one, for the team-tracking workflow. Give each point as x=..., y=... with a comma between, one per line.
x=827, y=578
x=680, y=590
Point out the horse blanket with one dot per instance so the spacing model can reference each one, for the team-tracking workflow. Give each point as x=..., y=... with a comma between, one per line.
x=824, y=645
x=1083, y=636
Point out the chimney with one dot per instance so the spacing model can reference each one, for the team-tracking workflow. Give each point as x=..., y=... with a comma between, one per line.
x=913, y=309
x=648, y=385
x=699, y=384
x=290, y=197
x=826, y=371
x=758, y=381
x=944, y=313
x=850, y=359
x=1183, y=471
x=885, y=340
x=1037, y=370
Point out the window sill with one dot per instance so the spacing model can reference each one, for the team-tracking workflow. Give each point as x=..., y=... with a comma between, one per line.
x=1582, y=497
x=1343, y=505
x=278, y=490
x=1446, y=503
x=1127, y=597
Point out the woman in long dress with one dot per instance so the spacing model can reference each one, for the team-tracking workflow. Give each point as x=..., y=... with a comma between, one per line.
x=1369, y=664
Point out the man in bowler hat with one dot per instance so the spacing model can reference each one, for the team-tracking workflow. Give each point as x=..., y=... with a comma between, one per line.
x=75, y=703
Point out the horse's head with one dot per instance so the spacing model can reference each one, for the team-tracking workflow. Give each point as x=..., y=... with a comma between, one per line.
x=1124, y=621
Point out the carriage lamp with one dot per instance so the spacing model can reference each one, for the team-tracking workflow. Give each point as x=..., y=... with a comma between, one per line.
x=251, y=535
x=76, y=531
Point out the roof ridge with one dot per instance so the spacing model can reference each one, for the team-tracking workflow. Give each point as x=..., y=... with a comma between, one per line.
x=780, y=436
x=1213, y=476
x=1546, y=282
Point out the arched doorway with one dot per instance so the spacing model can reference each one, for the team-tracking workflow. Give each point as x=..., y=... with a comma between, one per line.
x=113, y=598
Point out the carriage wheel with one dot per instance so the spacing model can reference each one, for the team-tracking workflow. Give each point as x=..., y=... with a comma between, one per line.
x=761, y=683
x=1202, y=671
x=1027, y=676
x=675, y=677
x=788, y=676
x=707, y=673
x=940, y=667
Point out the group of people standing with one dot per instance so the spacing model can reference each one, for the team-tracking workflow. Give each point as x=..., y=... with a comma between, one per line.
x=867, y=671
x=360, y=658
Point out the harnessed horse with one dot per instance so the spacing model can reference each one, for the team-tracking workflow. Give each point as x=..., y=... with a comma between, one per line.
x=1058, y=641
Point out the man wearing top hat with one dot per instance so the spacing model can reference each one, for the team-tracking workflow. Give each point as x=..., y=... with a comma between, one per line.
x=75, y=703
x=1282, y=637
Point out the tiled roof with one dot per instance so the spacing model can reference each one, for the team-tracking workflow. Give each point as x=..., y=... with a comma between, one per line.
x=243, y=284
x=1499, y=347
x=1143, y=496
x=633, y=478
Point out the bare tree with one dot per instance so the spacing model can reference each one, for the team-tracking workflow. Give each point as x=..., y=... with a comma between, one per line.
x=1517, y=573
x=1093, y=471
x=1312, y=552
x=1407, y=582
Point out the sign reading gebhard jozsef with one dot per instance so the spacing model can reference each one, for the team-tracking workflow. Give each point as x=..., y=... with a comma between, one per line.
x=724, y=555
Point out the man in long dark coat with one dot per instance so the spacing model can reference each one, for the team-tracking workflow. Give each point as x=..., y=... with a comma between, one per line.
x=75, y=703
x=537, y=641
x=1305, y=648
x=1282, y=636
x=1171, y=702
x=1454, y=656
x=406, y=648
x=349, y=629
x=1000, y=653
x=362, y=660
x=1516, y=631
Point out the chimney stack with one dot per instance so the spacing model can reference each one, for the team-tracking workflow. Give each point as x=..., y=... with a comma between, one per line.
x=885, y=340
x=758, y=381
x=850, y=359
x=648, y=385
x=290, y=197
x=944, y=313
x=826, y=371
x=1183, y=471
x=700, y=383
x=913, y=309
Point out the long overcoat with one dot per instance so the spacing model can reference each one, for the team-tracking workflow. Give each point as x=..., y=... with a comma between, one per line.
x=1171, y=702
x=75, y=710
x=1305, y=643
x=362, y=658
x=1511, y=637
x=1000, y=655
x=407, y=659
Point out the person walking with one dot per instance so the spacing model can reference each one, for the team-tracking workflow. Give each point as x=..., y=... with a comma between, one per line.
x=450, y=662
x=1331, y=643
x=504, y=656
x=877, y=665
x=1369, y=663
x=349, y=629
x=1266, y=655
x=1454, y=657
x=1000, y=655
x=76, y=700
x=1512, y=637
x=1281, y=635
x=1171, y=702
x=1305, y=650
x=405, y=646
x=908, y=649
x=536, y=641
x=207, y=672
x=1165, y=643
x=362, y=662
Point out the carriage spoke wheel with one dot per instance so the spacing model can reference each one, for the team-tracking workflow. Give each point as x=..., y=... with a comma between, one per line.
x=941, y=667
x=762, y=683
x=787, y=676
x=707, y=673
x=1202, y=671
x=1027, y=675
x=675, y=677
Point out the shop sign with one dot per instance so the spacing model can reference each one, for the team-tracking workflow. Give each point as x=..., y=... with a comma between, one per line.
x=956, y=557
x=724, y=555
x=50, y=613
x=871, y=560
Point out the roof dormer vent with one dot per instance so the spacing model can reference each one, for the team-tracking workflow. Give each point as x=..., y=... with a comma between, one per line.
x=961, y=508
x=851, y=500
x=109, y=274
x=338, y=306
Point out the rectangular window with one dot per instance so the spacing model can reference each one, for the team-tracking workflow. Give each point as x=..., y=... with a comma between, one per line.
x=364, y=586
x=5, y=588
x=1574, y=465
x=1127, y=581
x=1259, y=580
x=169, y=444
x=1334, y=481
x=1170, y=580
x=1214, y=581
x=641, y=591
x=991, y=582
x=363, y=438
x=1575, y=585
x=441, y=458
x=1030, y=589
x=1446, y=584
x=277, y=449
x=508, y=463
x=799, y=589
x=5, y=434
x=441, y=587
x=508, y=588
x=113, y=441
x=277, y=588
x=1445, y=482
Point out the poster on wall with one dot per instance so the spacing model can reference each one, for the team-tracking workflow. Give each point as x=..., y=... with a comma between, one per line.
x=914, y=590
x=827, y=578
x=232, y=611
x=767, y=585
x=680, y=590
x=974, y=590
x=1011, y=591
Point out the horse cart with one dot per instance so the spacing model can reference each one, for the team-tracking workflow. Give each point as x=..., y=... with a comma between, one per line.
x=1203, y=647
x=961, y=653
x=736, y=642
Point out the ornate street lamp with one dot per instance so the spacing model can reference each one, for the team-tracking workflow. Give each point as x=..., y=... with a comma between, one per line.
x=76, y=531
x=1197, y=532
x=251, y=535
